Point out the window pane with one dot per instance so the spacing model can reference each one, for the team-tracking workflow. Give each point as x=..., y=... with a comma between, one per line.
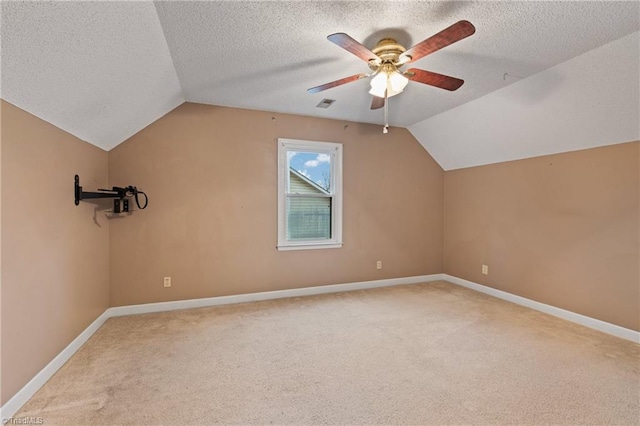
x=309, y=194
x=309, y=172
x=308, y=218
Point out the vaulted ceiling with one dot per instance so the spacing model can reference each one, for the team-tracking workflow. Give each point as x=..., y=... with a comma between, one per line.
x=104, y=70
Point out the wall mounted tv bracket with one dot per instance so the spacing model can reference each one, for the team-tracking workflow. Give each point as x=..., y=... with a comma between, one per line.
x=120, y=196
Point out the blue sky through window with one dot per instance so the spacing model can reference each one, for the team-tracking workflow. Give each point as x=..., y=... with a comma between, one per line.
x=315, y=166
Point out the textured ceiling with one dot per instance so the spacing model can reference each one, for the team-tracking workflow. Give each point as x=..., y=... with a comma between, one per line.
x=588, y=101
x=104, y=70
x=99, y=70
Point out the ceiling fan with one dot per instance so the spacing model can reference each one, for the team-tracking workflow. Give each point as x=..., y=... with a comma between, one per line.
x=388, y=57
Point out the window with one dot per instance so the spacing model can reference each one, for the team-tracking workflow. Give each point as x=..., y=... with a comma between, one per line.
x=309, y=195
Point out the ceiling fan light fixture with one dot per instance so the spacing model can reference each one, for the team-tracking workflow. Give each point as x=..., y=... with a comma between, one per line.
x=379, y=85
x=393, y=82
x=397, y=82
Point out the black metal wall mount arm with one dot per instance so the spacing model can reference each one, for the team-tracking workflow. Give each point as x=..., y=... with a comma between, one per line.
x=120, y=202
x=82, y=195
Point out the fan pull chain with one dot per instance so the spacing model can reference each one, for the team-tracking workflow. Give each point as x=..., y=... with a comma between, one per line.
x=385, y=129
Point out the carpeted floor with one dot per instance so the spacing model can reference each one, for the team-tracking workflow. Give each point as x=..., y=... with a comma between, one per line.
x=418, y=354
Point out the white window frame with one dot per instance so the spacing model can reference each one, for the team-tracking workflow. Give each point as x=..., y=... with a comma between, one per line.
x=335, y=151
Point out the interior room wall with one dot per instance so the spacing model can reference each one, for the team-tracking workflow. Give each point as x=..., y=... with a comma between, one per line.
x=54, y=254
x=211, y=224
x=561, y=229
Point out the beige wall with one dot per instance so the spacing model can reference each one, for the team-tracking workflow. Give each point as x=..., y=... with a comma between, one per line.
x=211, y=174
x=54, y=254
x=560, y=229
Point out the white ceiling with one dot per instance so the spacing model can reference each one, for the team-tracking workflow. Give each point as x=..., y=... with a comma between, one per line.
x=104, y=70
x=588, y=101
x=99, y=70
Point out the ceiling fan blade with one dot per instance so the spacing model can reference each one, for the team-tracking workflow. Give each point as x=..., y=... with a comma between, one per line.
x=377, y=103
x=337, y=83
x=455, y=32
x=349, y=44
x=434, y=79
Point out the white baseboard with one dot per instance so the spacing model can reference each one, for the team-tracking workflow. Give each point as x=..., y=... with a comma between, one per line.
x=18, y=400
x=23, y=395
x=586, y=321
x=267, y=295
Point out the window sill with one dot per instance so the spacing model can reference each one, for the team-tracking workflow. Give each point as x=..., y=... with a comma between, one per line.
x=308, y=246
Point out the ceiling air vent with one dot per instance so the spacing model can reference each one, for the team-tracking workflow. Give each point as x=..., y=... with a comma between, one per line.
x=325, y=103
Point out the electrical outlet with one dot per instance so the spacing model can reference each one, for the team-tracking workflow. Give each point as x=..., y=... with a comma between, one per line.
x=167, y=281
x=485, y=269
x=379, y=264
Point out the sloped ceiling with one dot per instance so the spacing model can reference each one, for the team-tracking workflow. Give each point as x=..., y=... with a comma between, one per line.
x=104, y=70
x=588, y=101
x=98, y=70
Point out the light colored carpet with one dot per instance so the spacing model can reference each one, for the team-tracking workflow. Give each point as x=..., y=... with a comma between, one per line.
x=419, y=354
